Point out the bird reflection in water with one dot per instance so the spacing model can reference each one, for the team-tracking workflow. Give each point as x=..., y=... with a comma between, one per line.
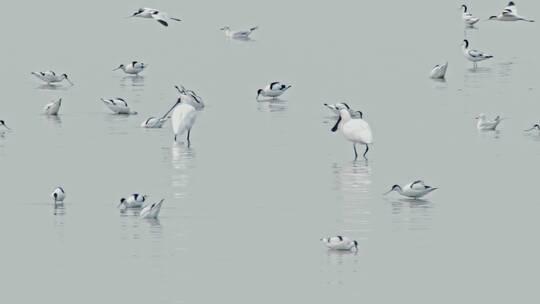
x=272, y=105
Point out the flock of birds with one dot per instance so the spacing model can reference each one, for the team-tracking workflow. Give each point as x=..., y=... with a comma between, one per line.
x=183, y=114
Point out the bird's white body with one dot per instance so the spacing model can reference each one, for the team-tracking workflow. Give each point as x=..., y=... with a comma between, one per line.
x=509, y=13
x=153, y=123
x=133, y=201
x=355, y=130
x=242, y=34
x=335, y=107
x=50, y=77
x=438, y=71
x=473, y=55
x=151, y=211
x=155, y=14
x=273, y=90
x=53, y=107
x=183, y=119
x=487, y=125
x=340, y=243
x=118, y=106
x=416, y=189
x=133, y=68
x=58, y=195
x=468, y=18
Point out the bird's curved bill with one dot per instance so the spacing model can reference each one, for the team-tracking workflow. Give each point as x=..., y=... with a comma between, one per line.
x=71, y=83
x=116, y=69
x=387, y=192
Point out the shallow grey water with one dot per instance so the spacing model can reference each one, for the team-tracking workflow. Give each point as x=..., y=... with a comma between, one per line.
x=246, y=204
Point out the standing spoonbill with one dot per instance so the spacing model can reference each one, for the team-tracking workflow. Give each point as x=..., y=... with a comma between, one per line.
x=58, y=196
x=52, y=108
x=183, y=119
x=151, y=211
x=415, y=190
x=50, y=77
x=133, y=68
x=118, y=106
x=355, y=130
x=273, y=90
x=473, y=55
x=340, y=243
x=160, y=17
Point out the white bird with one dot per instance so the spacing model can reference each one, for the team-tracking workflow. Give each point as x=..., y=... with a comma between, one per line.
x=340, y=243
x=355, y=130
x=535, y=126
x=3, y=123
x=51, y=77
x=190, y=97
x=438, y=71
x=154, y=122
x=415, y=189
x=468, y=18
x=273, y=90
x=486, y=125
x=183, y=119
x=133, y=68
x=159, y=16
x=473, y=55
x=509, y=13
x=151, y=211
x=58, y=195
x=342, y=105
x=118, y=106
x=243, y=34
x=133, y=201
x=52, y=108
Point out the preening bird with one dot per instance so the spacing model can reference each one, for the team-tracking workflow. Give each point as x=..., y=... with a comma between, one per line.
x=438, y=71
x=415, y=189
x=118, y=106
x=340, y=243
x=52, y=108
x=273, y=90
x=58, y=195
x=151, y=211
x=355, y=130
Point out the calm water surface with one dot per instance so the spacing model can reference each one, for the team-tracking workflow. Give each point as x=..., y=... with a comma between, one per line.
x=246, y=205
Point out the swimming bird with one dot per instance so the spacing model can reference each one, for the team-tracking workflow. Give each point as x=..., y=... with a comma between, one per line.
x=273, y=90
x=340, y=243
x=118, y=106
x=133, y=68
x=154, y=122
x=151, y=211
x=536, y=126
x=51, y=77
x=509, y=13
x=243, y=34
x=183, y=119
x=486, y=125
x=355, y=130
x=190, y=97
x=58, y=195
x=468, y=18
x=473, y=55
x=52, y=108
x=416, y=189
x=3, y=123
x=133, y=201
x=438, y=71
x=159, y=16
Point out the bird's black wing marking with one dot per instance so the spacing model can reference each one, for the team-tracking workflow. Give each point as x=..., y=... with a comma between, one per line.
x=273, y=84
x=162, y=22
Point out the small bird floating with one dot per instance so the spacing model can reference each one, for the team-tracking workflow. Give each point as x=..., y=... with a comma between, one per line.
x=340, y=243
x=133, y=201
x=151, y=211
x=438, y=71
x=416, y=189
x=58, y=196
x=159, y=16
x=487, y=125
x=52, y=108
x=242, y=35
x=118, y=106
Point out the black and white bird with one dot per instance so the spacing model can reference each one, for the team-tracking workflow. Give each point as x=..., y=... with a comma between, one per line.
x=52, y=108
x=151, y=211
x=50, y=77
x=133, y=68
x=340, y=243
x=468, y=18
x=509, y=13
x=241, y=34
x=484, y=124
x=190, y=97
x=336, y=107
x=273, y=90
x=473, y=55
x=133, y=201
x=58, y=196
x=155, y=14
x=415, y=190
x=118, y=106
x=535, y=126
x=438, y=71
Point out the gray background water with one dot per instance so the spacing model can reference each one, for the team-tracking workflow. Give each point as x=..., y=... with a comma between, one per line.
x=246, y=205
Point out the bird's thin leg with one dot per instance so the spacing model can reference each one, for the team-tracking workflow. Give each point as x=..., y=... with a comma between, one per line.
x=188, y=141
x=355, y=154
x=367, y=149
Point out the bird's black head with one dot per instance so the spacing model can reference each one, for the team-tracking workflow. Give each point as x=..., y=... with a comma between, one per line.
x=464, y=7
x=2, y=122
x=138, y=12
x=466, y=42
x=360, y=114
x=511, y=3
x=122, y=200
x=65, y=76
x=259, y=92
x=396, y=187
x=346, y=105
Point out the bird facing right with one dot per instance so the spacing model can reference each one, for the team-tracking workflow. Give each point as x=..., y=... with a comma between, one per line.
x=355, y=130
